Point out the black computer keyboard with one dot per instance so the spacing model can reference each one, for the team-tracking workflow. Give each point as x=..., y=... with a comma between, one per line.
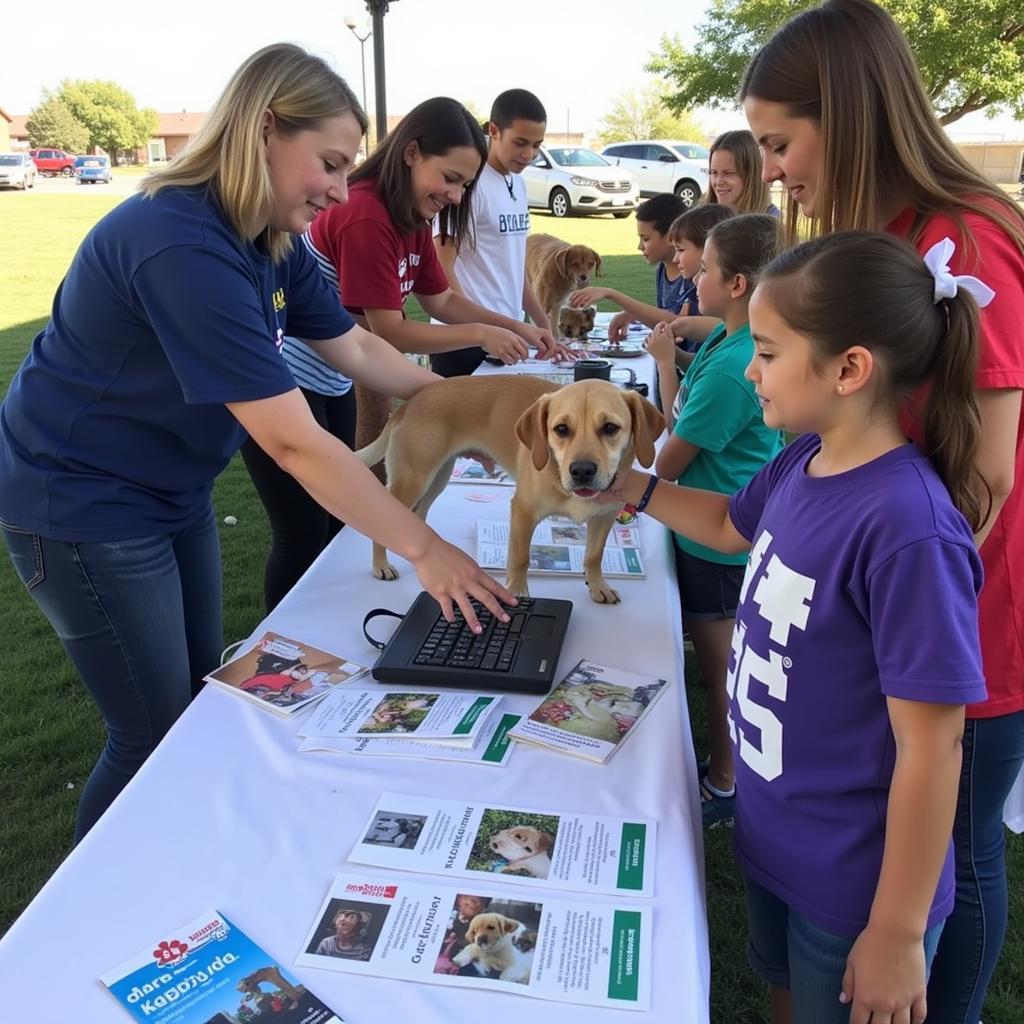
x=455, y=645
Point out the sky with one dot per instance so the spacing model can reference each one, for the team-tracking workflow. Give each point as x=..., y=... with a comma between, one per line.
x=577, y=57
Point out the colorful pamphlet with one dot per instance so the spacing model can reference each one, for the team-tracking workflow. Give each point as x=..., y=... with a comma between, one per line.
x=591, y=712
x=579, y=852
x=446, y=717
x=558, y=546
x=492, y=745
x=481, y=938
x=284, y=675
x=469, y=471
x=210, y=971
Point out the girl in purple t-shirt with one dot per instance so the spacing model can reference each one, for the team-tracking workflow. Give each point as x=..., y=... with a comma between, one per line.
x=856, y=643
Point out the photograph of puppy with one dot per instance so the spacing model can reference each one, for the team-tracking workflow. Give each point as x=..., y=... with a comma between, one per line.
x=510, y=842
x=525, y=848
x=576, y=324
x=555, y=268
x=492, y=944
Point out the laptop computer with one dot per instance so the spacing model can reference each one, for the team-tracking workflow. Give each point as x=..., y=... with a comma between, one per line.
x=519, y=656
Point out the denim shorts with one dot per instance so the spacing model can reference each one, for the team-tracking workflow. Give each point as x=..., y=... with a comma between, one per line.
x=789, y=951
x=708, y=591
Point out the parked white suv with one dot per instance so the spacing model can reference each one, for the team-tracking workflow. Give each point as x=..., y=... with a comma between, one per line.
x=664, y=165
x=17, y=170
x=571, y=179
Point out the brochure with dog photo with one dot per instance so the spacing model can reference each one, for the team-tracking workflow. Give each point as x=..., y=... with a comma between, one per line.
x=591, y=711
x=558, y=548
x=579, y=852
x=209, y=970
x=469, y=471
x=284, y=675
x=476, y=937
x=446, y=717
x=492, y=746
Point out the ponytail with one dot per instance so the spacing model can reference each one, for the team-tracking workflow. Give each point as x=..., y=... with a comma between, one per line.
x=952, y=421
x=873, y=290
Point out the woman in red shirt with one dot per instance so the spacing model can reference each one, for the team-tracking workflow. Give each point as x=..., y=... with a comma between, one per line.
x=835, y=101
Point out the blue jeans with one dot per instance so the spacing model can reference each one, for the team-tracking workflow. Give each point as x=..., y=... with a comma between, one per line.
x=790, y=952
x=973, y=939
x=140, y=620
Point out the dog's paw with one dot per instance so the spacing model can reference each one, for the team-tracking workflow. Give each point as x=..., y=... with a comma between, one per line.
x=517, y=586
x=464, y=957
x=603, y=594
x=385, y=572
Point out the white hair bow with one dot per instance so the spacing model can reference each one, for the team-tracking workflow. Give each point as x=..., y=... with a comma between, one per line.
x=936, y=259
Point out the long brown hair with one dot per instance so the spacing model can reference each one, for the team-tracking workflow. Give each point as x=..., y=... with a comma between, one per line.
x=755, y=196
x=847, y=66
x=437, y=126
x=871, y=289
x=227, y=153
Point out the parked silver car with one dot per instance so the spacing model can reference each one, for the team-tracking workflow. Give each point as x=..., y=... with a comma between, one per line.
x=664, y=165
x=17, y=170
x=571, y=179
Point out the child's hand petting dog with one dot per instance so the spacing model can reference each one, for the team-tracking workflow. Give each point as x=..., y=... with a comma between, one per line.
x=587, y=297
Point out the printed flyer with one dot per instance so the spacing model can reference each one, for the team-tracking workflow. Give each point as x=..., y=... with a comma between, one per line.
x=577, y=852
x=591, y=711
x=492, y=746
x=284, y=675
x=558, y=548
x=456, y=717
x=469, y=471
x=555, y=949
x=210, y=972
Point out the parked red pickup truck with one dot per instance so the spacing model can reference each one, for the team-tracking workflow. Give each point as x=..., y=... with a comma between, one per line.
x=53, y=161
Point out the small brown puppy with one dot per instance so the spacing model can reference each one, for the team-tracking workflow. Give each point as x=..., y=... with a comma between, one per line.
x=576, y=323
x=563, y=446
x=492, y=942
x=554, y=269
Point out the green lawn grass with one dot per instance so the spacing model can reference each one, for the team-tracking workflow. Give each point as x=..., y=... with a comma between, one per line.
x=51, y=733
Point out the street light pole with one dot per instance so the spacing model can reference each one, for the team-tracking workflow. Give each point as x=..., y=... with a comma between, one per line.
x=377, y=9
x=350, y=24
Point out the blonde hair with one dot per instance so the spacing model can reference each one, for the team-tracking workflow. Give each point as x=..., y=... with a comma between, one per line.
x=755, y=196
x=847, y=66
x=227, y=153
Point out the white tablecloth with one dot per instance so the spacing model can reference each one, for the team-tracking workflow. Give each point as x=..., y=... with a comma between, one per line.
x=227, y=814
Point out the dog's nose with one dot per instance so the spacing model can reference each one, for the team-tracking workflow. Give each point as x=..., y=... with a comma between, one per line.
x=582, y=472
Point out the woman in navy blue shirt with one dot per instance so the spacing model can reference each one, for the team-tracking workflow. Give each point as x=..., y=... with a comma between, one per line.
x=162, y=352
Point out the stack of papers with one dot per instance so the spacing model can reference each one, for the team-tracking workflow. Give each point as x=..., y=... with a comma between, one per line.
x=558, y=547
x=591, y=712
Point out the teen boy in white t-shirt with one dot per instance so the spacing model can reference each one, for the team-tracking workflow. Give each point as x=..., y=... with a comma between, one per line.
x=493, y=273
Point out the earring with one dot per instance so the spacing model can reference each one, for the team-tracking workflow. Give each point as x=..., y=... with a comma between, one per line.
x=840, y=388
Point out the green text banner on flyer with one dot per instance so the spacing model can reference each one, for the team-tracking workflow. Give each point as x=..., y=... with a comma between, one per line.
x=492, y=746
x=209, y=970
x=475, y=937
x=541, y=849
x=446, y=717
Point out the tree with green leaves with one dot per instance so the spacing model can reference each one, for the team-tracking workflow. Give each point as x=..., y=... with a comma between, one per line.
x=52, y=125
x=970, y=52
x=110, y=114
x=645, y=115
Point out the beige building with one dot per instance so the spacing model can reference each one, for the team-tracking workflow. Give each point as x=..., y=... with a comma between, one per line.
x=1002, y=162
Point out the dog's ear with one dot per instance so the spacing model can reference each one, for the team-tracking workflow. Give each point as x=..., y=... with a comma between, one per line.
x=545, y=840
x=561, y=261
x=509, y=925
x=598, y=265
x=647, y=425
x=532, y=429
